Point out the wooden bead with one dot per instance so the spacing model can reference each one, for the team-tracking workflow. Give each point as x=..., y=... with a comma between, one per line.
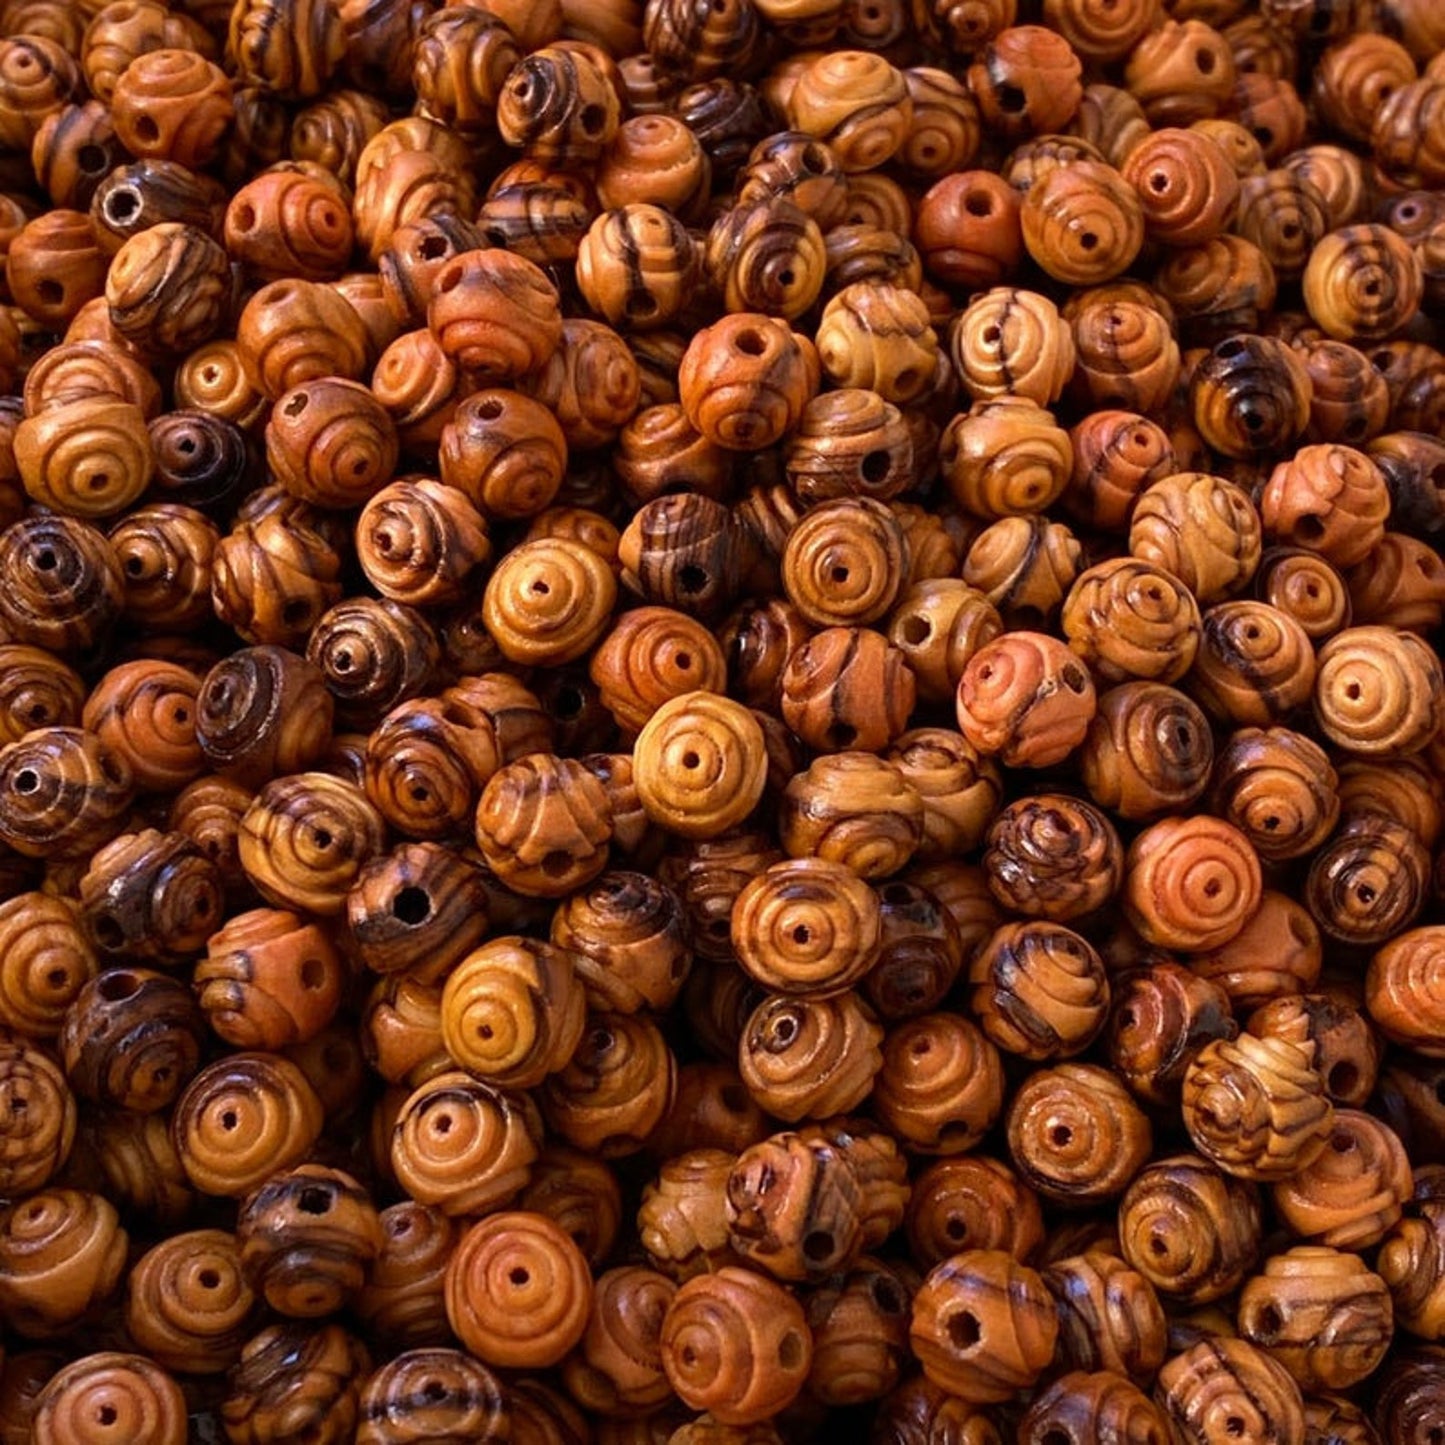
x=682, y=1222
x=512, y=1012
x=857, y=104
x=293, y=1377
x=983, y=1326
x=737, y=1345
x=652, y=656
x=1083, y=223
x=1368, y=882
x=960, y=791
x=616, y=1088
x=1411, y=1264
x=1347, y=1052
x=463, y=1145
x=971, y=1202
x=372, y=653
x=40, y=1119
x=859, y=1327
x=637, y=266
x=187, y=1305
x=131, y=1040
x=307, y=1237
x=853, y=809
x=66, y=584
x=165, y=554
x=1127, y=618
x=419, y=541
x=1307, y=588
x=917, y=1410
x=1190, y=884
x=294, y=331
x=241, y=1119
x=1024, y=566
x=809, y=1057
x=269, y=979
x=1230, y=1379
x=172, y=104
x=941, y=1086
x=967, y=229
x=1025, y=698
x=140, y=1167
x=1109, y=1316
x=1256, y=1107
x=505, y=451
x=434, y=1393
x=1190, y=1229
x=1278, y=788
x=305, y=838
x=403, y=1298
x=879, y=335
x=331, y=443
x=654, y=159
x=847, y=688
x=1010, y=342
x=37, y=689
x=1377, y=691
x=1407, y=1397
x=145, y=713
x=62, y=793
x=59, y=243
x=1255, y=663
x=62, y=1255
x=548, y=603
x=1250, y=396
x=793, y=1208
x=1330, y=499
x=108, y=1397
x=1148, y=751
x=1321, y=1314
x=1398, y=585
x=543, y=825
x=1162, y=1016
x=168, y=289
x=849, y=443
x=518, y=1292
x=425, y=766
x=1400, y=990
x=560, y=106
x=581, y=1194
x=38, y=77
x=845, y=563
x=1186, y=187
x=1127, y=355
x=47, y=960
x=1025, y=81
x=1361, y=283
x=1075, y=1134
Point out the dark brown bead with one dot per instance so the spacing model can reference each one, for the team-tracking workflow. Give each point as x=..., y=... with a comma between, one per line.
x=971, y=1202
x=291, y=1377
x=809, y=1057
x=62, y=793
x=1368, y=882
x=1051, y=856
x=40, y=1110
x=437, y=1393
x=1408, y=1403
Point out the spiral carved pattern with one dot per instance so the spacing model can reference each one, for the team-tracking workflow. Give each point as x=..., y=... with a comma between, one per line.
x=1200, y=527
x=37, y=690
x=165, y=552
x=547, y=602
x=45, y=961
x=618, y=1366
x=188, y=1305
x=1412, y=1264
x=767, y=257
x=845, y=562
x=109, y=1399
x=1191, y=884
x=1130, y=619
x=373, y=653
x=1222, y=1380
x=651, y=656
x=433, y=1394
x=146, y=713
x=88, y=458
x=1015, y=342
x=736, y=1345
x=518, y=1291
x=62, y=1253
x=1368, y=882
x=1255, y=1106
x=810, y=1058
x=243, y=1118
x=1378, y=692
x=1279, y=789
x=1097, y=1406
x=970, y=1201
x=1161, y=1017
x=1405, y=990
x=942, y=1085
x=513, y=1011
x=807, y=927
x=1362, y=283
x=1110, y=1317
x=1076, y=1135
x=700, y=764
x=1052, y=856
x=1255, y=665
x=38, y=1111
x=63, y=792
x=404, y=1294
x=1026, y=698
x=1149, y=750
x=1005, y=457
x=420, y=542
x=331, y=442
x=65, y=587
x=463, y=1145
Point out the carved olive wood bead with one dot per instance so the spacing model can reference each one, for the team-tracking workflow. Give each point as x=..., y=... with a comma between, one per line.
x=187, y=1303
x=1279, y=789
x=1222, y=1383
x=513, y=1012
x=38, y=1112
x=1102, y=1405
x=1346, y=1050
x=108, y=1398
x=847, y=687
x=1148, y=751
x=548, y=603
x=331, y=443
x=941, y=1087
x=857, y=104
x=1052, y=856
x=1256, y=1107
x=1354, y=1189
x=682, y=1222
x=463, y=1145
x=1277, y=952
x=372, y=653
x=879, y=1166
x=737, y=1345
x=518, y=1291
x=1407, y=1397
x=168, y=289
x=918, y=1412
x=37, y=690
x=437, y=1393
x=1109, y=1316
x=131, y=1040
x=202, y=460
x=1412, y=1264
x=938, y=625
x=65, y=585
x=147, y=713
x=63, y=793
x=418, y=540
x=62, y=1256
x=307, y=1237
x=859, y=1325
x=1082, y=223
x=269, y=979
x=1362, y=282
x=971, y=1202
x=1039, y=990
x=45, y=960
x=1005, y=456
x=1201, y=528
x=1076, y=1135
x=140, y=1167
x=1130, y=619
x=1378, y=691
x=151, y=895
x=617, y=1087
x=1162, y=1016
x=1025, y=79
x=1191, y=884
x=1329, y=499
x=403, y=1299
x=242, y=1118
x=86, y=458
x=304, y=839
x=629, y=940
x=1368, y=882
x=294, y=331
x=809, y=1057
x=983, y=1326
x=1321, y=1314
x=711, y=1109
x=293, y=1378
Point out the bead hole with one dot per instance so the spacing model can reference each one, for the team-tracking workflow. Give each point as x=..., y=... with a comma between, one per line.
x=314, y=1201
x=964, y=1331
x=411, y=906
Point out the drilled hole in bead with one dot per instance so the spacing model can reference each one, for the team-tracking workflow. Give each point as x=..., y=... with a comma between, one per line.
x=322, y=837
x=916, y=630
x=1012, y=99
x=839, y=574
x=750, y=343
x=593, y=118
x=1365, y=894
x=840, y=736
x=411, y=906
x=444, y=1124
x=313, y=973
x=1352, y=691
x=27, y=780
x=229, y=1121
x=1310, y=527
x=1204, y=61
x=817, y=1245
x=314, y=1200
x=52, y=293
x=556, y=863
x=790, y=1350
x=121, y=205
x=978, y=203
x=46, y=560
x=875, y=467
x=1074, y=679
x=786, y=278
x=1252, y=420
x=1061, y=1136
x=134, y=566
x=243, y=217
x=692, y=578
x=209, y=1279
x=296, y=613
x=106, y=1415
x=1089, y=241
x=907, y=379
x=114, y=987
x=433, y=248
x=519, y=1276
x=964, y=1330
x=1234, y=1426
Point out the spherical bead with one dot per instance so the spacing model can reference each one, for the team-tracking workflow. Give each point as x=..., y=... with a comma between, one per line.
x=1083, y=223
x=857, y=104
x=879, y=335
x=1190, y=884
x=941, y=1088
x=63, y=793
x=1368, y=882
x=1148, y=751
x=188, y=1305
x=1025, y=80
x=1378, y=691
x=41, y=1119
x=847, y=687
x=433, y=1393
x=802, y=1057
x=110, y=1397
x=548, y=603
x=293, y=1377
